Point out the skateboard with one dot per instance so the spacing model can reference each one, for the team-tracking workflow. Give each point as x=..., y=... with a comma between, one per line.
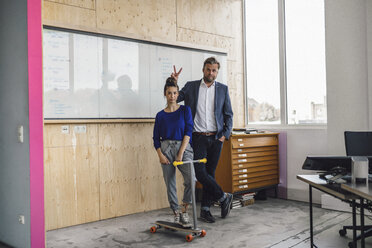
x=192, y=232
x=177, y=227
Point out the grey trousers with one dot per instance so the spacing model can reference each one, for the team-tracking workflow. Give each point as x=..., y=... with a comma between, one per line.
x=170, y=149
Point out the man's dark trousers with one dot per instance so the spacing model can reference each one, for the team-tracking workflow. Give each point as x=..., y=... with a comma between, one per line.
x=207, y=147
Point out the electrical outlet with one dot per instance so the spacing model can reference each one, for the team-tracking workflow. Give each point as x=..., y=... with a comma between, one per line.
x=80, y=129
x=65, y=129
x=21, y=219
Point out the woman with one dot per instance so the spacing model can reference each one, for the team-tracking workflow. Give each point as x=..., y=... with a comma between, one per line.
x=172, y=132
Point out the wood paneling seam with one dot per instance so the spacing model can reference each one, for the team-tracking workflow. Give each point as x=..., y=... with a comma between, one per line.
x=232, y=37
x=71, y=5
x=95, y=10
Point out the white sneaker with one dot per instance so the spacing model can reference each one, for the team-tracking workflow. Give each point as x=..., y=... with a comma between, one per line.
x=177, y=219
x=185, y=222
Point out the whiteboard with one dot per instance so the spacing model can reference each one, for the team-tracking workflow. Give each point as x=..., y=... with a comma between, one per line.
x=93, y=76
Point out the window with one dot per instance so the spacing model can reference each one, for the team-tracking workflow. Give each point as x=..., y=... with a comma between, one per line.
x=285, y=61
x=263, y=76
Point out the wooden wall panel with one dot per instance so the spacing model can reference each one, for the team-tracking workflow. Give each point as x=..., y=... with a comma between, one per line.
x=236, y=93
x=71, y=176
x=62, y=15
x=152, y=188
x=109, y=171
x=56, y=138
x=206, y=39
x=209, y=16
x=235, y=64
x=118, y=171
x=147, y=18
x=71, y=186
x=237, y=29
x=131, y=178
x=88, y=4
x=194, y=26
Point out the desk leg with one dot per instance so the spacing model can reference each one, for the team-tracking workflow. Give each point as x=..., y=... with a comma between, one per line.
x=354, y=223
x=362, y=222
x=311, y=216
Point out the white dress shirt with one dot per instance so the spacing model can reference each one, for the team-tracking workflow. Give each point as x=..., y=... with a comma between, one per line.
x=205, y=120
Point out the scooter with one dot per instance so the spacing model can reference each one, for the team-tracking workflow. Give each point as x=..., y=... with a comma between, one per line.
x=194, y=231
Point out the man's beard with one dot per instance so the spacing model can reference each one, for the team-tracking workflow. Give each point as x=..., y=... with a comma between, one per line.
x=208, y=80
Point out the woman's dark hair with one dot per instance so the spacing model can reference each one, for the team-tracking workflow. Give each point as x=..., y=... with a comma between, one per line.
x=171, y=82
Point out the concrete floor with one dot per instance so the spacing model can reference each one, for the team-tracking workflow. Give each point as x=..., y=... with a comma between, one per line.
x=273, y=223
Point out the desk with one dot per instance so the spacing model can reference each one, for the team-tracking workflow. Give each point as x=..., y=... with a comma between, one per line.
x=364, y=192
x=334, y=190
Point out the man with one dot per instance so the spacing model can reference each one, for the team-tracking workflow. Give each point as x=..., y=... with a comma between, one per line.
x=212, y=114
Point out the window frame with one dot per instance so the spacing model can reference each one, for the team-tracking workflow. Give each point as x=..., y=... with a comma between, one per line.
x=282, y=76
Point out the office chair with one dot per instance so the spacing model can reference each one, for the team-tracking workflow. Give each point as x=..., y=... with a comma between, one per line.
x=358, y=144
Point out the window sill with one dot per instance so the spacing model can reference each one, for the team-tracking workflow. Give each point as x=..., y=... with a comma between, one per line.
x=289, y=127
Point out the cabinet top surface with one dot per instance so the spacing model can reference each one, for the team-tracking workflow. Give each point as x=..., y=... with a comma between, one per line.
x=254, y=134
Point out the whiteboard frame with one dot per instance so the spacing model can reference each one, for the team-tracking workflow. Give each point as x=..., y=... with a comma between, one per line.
x=132, y=38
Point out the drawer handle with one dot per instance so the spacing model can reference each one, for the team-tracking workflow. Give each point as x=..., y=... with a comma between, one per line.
x=244, y=170
x=242, y=155
x=244, y=175
x=241, y=144
x=240, y=150
x=243, y=181
x=243, y=186
x=240, y=140
x=242, y=160
x=240, y=165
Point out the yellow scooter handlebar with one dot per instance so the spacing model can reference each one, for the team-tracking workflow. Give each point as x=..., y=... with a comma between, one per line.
x=176, y=163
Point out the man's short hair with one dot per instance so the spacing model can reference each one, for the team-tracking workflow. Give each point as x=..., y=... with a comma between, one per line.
x=212, y=61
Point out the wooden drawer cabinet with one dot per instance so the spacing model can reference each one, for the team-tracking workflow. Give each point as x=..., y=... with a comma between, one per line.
x=248, y=162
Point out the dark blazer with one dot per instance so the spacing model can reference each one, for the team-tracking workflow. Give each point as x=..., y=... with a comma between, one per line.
x=222, y=105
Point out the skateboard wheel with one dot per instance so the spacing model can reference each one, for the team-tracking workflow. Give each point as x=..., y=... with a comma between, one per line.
x=189, y=238
x=153, y=229
x=203, y=233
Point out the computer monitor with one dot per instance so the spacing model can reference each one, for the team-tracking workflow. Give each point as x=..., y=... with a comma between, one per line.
x=328, y=163
x=358, y=143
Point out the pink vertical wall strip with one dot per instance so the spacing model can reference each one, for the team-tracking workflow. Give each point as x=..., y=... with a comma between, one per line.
x=35, y=80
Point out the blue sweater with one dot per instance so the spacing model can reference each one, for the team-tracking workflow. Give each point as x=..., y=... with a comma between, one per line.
x=173, y=126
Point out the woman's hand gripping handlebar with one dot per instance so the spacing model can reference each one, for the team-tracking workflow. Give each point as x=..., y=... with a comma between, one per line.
x=176, y=163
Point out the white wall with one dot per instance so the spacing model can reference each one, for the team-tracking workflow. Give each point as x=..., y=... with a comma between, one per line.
x=347, y=73
x=300, y=143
